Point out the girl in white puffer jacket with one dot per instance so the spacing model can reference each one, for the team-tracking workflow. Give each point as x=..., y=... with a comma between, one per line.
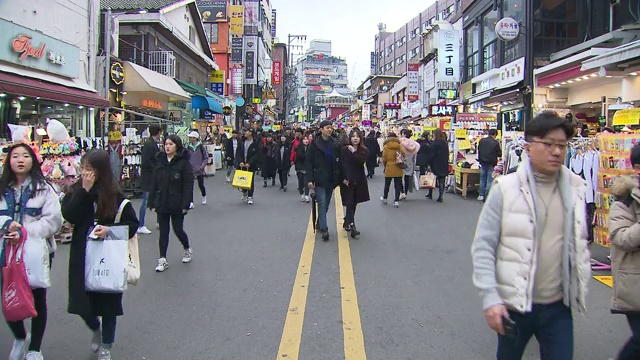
x=28, y=202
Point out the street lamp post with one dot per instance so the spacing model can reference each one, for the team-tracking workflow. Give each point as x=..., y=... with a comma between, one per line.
x=289, y=69
x=107, y=60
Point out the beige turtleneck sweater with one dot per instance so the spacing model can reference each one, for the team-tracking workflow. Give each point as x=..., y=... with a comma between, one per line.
x=548, y=278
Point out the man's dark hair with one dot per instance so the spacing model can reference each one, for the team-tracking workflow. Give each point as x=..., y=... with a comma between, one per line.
x=493, y=132
x=546, y=122
x=154, y=129
x=299, y=130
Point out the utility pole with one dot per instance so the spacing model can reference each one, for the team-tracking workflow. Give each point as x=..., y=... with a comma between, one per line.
x=107, y=68
x=289, y=70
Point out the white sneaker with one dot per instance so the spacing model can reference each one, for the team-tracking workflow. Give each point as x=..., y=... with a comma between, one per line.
x=250, y=201
x=244, y=197
x=403, y=196
x=186, y=257
x=143, y=230
x=105, y=354
x=157, y=226
x=303, y=198
x=19, y=348
x=396, y=204
x=96, y=340
x=228, y=179
x=34, y=355
x=191, y=206
x=204, y=200
x=162, y=265
x=307, y=199
x=480, y=198
x=383, y=200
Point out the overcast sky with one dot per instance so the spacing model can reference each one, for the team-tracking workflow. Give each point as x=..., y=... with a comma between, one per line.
x=351, y=25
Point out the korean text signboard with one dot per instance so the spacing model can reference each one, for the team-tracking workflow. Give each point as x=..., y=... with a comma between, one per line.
x=507, y=29
x=250, y=58
x=251, y=17
x=25, y=47
x=237, y=20
x=212, y=11
x=442, y=110
x=237, y=48
x=276, y=73
x=236, y=80
x=413, y=81
x=449, y=55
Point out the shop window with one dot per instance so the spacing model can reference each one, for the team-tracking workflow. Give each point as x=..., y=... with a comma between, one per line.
x=192, y=34
x=556, y=26
x=473, y=51
x=489, y=41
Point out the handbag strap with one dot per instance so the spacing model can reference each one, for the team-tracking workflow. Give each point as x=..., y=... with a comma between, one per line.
x=120, y=210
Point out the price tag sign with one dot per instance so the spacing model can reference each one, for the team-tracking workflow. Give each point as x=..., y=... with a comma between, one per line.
x=277, y=127
x=464, y=144
x=458, y=176
x=461, y=133
x=499, y=134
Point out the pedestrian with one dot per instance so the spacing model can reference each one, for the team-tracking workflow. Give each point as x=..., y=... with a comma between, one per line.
x=199, y=158
x=323, y=172
x=173, y=189
x=531, y=263
x=422, y=160
x=94, y=200
x=439, y=162
x=230, y=148
x=354, y=188
x=247, y=159
x=283, y=161
x=373, y=149
x=393, y=159
x=269, y=169
x=28, y=202
x=411, y=148
x=301, y=156
x=488, y=153
x=297, y=140
x=147, y=166
x=624, y=233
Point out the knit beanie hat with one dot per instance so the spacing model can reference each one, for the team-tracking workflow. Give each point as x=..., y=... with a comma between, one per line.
x=635, y=155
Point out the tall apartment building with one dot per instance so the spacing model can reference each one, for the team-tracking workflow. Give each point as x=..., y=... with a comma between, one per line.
x=320, y=72
x=394, y=50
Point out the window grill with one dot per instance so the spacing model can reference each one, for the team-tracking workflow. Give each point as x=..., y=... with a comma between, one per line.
x=163, y=62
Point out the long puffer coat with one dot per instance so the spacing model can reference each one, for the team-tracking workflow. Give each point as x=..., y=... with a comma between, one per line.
x=172, y=189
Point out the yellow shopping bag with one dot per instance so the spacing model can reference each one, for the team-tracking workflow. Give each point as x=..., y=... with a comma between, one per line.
x=242, y=179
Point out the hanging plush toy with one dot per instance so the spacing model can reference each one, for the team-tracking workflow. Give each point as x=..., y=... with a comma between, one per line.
x=57, y=173
x=20, y=133
x=57, y=131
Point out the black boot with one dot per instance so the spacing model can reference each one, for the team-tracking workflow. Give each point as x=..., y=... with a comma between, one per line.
x=325, y=236
x=273, y=182
x=354, y=231
x=429, y=195
x=346, y=226
x=265, y=184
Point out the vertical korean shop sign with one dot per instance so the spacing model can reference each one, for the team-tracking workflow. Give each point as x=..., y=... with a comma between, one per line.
x=251, y=17
x=413, y=81
x=274, y=14
x=216, y=78
x=237, y=49
x=449, y=55
x=237, y=20
x=276, y=73
x=236, y=80
x=250, y=58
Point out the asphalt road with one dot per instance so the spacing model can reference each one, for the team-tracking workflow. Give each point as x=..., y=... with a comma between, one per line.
x=412, y=273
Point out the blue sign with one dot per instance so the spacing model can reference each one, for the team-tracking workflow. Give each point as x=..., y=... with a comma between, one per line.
x=239, y=101
x=218, y=88
x=207, y=114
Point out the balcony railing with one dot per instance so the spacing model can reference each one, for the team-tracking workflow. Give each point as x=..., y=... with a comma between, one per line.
x=163, y=62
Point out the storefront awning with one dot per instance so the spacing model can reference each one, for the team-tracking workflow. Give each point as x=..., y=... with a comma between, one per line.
x=192, y=89
x=613, y=56
x=141, y=79
x=21, y=85
x=205, y=102
x=479, y=96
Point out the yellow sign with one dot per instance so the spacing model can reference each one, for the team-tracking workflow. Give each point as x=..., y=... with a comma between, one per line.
x=607, y=280
x=464, y=144
x=227, y=129
x=216, y=76
x=461, y=133
x=499, y=134
x=458, y=176
x=627, y=117
x=446, y=125
x=236, y=23
x=277, y=127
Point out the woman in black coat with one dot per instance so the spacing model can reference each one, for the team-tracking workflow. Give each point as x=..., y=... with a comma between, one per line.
x=301, y=157
x=269, y=160
x=354, y=188
x=439, y=162
x=172, y=192
x=283, y=161
x=94, y=199
x=423, y=154
x=371, y=143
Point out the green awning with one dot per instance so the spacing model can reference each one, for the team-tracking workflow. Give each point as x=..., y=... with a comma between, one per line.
x=192, y=89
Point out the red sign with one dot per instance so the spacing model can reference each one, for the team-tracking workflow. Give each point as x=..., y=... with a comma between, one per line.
x=152, y=104
x=22, y=45
x=276, y=77
x=413, y=67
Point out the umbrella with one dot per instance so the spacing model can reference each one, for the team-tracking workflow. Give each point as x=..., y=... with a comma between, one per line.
x=314, y=211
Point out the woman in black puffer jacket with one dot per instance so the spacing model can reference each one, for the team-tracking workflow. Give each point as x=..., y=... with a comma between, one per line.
x=171, y=194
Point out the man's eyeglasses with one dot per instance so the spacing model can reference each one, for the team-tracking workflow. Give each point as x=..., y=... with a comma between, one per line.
x=549, y=146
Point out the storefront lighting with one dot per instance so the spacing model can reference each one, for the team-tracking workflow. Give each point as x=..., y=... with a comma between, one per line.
x=551, y=87
x=563, y=83
x=585, y=77
x=594, y=75
x=608, y=76
x=142, y=11
x=80, y=107
x=65, y=105
x=22, y=98
x=3, y=95
x=634, y=74
x=570, y=82
x=41, y=131
x=37, y=97
x=557, y=85
x=579, y=79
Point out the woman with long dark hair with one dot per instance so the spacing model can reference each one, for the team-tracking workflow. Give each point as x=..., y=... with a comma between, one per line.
x=94, y=200
x=28, y=202
x=354, y=188
x=171, y=195
x=374, y=150
x=439, y=162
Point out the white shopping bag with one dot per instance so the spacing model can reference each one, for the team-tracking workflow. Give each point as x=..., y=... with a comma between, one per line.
x=106, y=262
x=133, y=257
x=36, y=262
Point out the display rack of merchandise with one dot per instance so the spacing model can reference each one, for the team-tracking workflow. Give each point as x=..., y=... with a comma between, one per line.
x=614, y=162
x=131, y=162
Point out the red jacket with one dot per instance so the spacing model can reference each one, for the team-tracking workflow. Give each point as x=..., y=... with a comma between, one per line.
x=294, y=146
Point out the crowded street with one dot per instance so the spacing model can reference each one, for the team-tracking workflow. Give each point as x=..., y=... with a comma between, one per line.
x=412, y=272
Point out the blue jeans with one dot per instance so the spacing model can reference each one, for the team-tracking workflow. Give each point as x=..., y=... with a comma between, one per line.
x=323, y=196
x=552, y=325
x=143, y=208
x=631, y=349
x=486, y=178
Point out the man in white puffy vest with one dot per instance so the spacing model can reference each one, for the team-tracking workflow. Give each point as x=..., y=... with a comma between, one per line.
x=530, y=258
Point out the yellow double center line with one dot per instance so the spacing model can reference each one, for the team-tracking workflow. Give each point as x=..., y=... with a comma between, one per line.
x=351, y=324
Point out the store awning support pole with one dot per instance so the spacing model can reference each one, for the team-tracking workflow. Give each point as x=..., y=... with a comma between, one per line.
x=107, y=58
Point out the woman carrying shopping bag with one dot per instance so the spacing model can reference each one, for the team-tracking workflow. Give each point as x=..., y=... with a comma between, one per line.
x=172, y=192
x=354, y=188
x=411, y=149
x=394, y=161
x=29, y=205
x=94, y=200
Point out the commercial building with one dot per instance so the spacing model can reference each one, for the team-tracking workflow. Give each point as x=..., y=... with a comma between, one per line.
x=281, y=80
x=47, y=64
